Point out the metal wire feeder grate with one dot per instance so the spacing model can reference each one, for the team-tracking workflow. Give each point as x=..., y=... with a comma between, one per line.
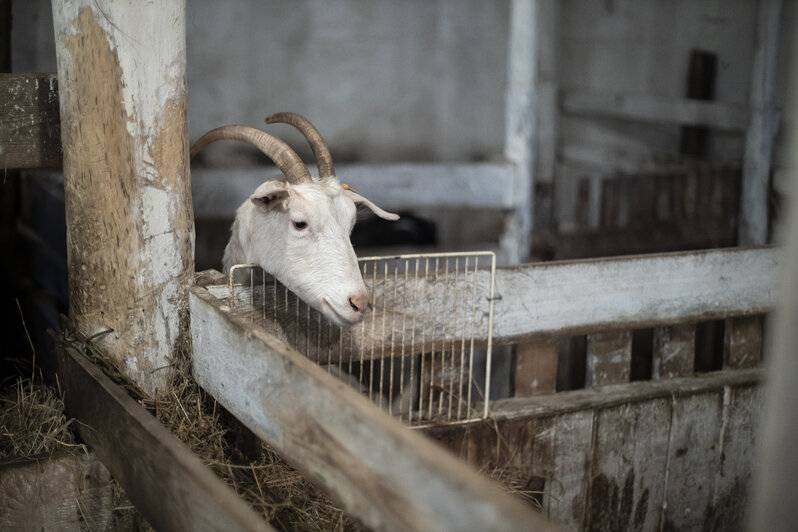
x=423, y=351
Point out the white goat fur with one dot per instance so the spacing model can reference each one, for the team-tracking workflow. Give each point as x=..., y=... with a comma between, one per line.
x=316, y=261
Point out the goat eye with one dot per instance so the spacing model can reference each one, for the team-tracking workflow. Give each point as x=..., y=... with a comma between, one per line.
x=300, y=224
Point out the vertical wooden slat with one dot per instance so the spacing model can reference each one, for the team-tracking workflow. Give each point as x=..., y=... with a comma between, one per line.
x=674, y=351
x=130, y=233
x=536, y=368
x=561, y=458
x=630, y=446
x=693, y=460
x=753, y=228
x=609, y=358
x=742, y=409
x=742, y=342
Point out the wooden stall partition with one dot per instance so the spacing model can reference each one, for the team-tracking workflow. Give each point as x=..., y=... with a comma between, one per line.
x=383, y=473
x=121, y=79
x=649, y=455
x=168, y=483
x=30, y=127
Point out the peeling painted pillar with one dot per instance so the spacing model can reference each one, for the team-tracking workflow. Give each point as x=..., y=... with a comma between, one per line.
x=130, y=229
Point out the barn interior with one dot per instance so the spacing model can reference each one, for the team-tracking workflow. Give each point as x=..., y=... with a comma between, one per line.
x=540, y=130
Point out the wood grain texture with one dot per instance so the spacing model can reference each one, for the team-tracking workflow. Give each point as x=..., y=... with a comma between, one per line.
x=30, y=126
x=693, y=459
x=168, y=483
x=542, y=300
x=127, y=193
x=674, y=351
x=535, y=370
x=602, y=454
x=65, y=491
x=743, y=342
x=609, y=358
x=386, y=475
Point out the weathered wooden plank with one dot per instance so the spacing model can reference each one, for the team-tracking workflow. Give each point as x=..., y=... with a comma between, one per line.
x=674, y=351
x=66, y=491
x=218, y=192
x=536, y=368
x=30, y=126
x=648, y=108
x=541, y=300
x=130, y=228
x=168, y=483
x=743, y=342
x=339, y=438
x=563, y=464
x=609, y=358
x=549, y=438
x=693, y=460
x=742, y=409
x=627, y=466
x=638, y=291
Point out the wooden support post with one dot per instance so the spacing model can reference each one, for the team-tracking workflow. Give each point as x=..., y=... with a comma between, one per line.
x=536, y=368
x=742, y=342
x=609, y=358
x=130, y=236
x=753, y=227
x=520, y=122
x=674, y=351
x=775, y=505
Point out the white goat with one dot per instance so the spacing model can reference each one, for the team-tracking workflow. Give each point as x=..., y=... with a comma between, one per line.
x=298, y=229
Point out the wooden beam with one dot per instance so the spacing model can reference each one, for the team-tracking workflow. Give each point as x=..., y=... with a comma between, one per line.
x=540, y=300
x=388, y=476
x=121, y=76
x=30, y=127
x=761, y=131
x=647, y=108
x=218, y=192
x=168, y=483
x=520, y=119
x=634, y=292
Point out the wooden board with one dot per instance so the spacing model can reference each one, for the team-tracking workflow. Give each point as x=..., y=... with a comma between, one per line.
x=535, y=370
x=66, y=491
x=743, y=342
x=386, y=475
x=169, y=485
x=674, y=351
x=693, y=459
x=540, y=300
x=30, y=125
x=648, y=108
x=609, y=358
x=602, y=454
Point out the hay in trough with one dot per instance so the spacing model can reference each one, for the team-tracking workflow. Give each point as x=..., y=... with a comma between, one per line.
x=32, y=421
x=271, y=487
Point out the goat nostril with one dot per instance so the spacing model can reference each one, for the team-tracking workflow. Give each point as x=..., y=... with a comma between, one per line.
x=358, y=303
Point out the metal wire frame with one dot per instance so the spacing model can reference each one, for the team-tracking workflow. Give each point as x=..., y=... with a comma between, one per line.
x=415, y=353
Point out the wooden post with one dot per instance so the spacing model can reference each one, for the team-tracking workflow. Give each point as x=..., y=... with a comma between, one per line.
x=519, y=126
x=775, y=505
x=762, y=128
x=130, y=235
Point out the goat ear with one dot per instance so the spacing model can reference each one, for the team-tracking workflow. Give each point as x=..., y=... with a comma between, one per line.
x=358, y=199
x=270, y=194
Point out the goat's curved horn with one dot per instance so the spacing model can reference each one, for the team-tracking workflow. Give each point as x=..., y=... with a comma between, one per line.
x=323, y=158
x=278, y=151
